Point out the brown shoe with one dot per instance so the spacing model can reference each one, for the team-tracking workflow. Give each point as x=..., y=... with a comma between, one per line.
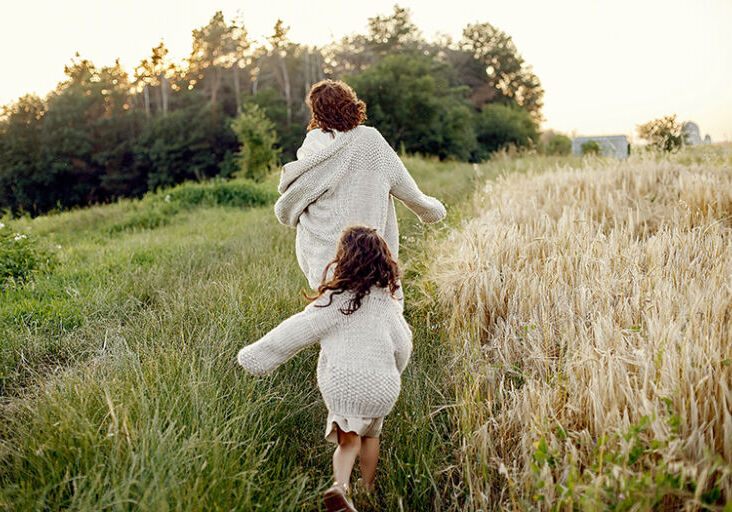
x=336, y=501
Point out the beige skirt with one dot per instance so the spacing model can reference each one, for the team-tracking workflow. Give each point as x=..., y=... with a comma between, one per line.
x=364, y=427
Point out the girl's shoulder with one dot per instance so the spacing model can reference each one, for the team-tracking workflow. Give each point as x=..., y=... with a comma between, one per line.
x=383, y=296
x=379, y=298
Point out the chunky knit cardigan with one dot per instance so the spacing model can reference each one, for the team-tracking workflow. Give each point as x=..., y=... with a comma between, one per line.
x=362, y=355
x=349, y=181
x=315, y=140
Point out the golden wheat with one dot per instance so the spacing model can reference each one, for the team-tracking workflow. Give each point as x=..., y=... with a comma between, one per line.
x=591, y=313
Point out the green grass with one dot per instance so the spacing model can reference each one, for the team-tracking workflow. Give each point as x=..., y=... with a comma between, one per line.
x=117, y=376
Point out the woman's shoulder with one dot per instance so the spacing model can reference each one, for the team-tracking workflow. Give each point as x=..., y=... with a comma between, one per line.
x=368, y=131
x=318, y=134
x=372, y=138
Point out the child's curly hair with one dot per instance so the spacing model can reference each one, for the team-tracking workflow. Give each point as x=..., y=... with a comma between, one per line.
x=362, y=260
x=335, y=106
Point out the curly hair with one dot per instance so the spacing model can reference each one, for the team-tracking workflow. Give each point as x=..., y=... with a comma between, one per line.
x=362, y=260
x=335, y=106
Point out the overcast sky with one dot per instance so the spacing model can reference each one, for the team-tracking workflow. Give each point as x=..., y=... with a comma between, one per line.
x=605, y=66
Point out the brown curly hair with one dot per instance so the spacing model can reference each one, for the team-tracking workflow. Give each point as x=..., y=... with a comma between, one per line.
x=335, y=106
x=362, y=260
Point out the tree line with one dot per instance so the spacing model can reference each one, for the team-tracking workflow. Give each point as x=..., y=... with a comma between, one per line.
x=105, y=133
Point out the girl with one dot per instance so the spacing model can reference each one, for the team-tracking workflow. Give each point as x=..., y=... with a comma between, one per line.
x=346, y=174
x=365, y=344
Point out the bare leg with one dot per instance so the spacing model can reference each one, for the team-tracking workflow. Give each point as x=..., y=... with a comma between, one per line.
x=369, y=457
x=344, y=457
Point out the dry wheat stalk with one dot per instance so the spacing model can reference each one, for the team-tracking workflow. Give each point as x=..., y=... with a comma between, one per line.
x=582, y=302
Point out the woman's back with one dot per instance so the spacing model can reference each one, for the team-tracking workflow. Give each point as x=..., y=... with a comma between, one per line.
x=348, y=182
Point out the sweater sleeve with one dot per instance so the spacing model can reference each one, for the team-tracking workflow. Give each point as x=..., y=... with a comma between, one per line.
x=402, y=344
x=282, y=342
x=404, y=188
x=306, y=148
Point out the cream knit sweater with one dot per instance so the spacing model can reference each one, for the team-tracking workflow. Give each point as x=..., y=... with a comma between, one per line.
x=315, y=140
x=349, y=181
x=362, y=355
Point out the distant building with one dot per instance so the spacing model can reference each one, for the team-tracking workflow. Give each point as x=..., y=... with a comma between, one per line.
x=690, y=133
x=610, y=145
x=707, y=139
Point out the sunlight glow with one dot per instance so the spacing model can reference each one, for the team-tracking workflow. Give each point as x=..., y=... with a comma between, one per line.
x=605, y=67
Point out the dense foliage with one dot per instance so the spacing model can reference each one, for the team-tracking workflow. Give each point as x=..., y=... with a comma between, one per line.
x=553, y=143
x=257, y=136
x=103, y=134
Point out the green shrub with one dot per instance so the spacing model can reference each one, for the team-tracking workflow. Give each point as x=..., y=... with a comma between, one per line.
x=157, y=208
x=258, y=138
x=556, y=144
x=186, y=144
x=20, y=257
x=219, y=193
x=591, y=147
x=500, y=126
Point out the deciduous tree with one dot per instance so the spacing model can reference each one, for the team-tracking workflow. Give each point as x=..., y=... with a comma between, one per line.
x=495, y=70
x=663, y=133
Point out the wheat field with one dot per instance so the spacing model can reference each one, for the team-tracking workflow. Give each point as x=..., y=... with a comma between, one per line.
x=590, y=317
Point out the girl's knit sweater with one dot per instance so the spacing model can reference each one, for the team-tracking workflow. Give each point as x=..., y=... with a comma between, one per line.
x=362, y=355
x=350, y=180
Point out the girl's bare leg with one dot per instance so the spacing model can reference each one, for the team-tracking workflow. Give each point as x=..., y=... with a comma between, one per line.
x=369, y=456
x=344, y=456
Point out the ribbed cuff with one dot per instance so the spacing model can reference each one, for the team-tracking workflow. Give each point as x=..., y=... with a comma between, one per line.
x=250, y=363
x=435, y=214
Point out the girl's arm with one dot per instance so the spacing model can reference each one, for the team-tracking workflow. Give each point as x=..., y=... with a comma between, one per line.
x=404, y=188
x=282, y=342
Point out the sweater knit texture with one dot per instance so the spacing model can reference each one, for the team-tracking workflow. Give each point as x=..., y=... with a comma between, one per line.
x=315, y=140
x=362, y=355
x=349, y=181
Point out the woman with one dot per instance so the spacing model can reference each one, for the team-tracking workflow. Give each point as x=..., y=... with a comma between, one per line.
x=345, y=174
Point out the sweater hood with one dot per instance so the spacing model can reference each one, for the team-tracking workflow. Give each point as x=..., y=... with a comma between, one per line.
x=296, y=192
x=291, y=171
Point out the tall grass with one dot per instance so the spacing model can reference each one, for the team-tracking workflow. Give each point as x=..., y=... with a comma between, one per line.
x=119, y=389
x=590, y=312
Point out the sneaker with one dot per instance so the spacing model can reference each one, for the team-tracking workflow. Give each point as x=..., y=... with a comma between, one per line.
x=336, y=501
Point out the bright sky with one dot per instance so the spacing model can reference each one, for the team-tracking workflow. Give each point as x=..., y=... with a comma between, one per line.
x=606, y=66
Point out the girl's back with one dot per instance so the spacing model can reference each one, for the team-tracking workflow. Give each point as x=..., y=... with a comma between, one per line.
x=362, y=357
x=365, y=346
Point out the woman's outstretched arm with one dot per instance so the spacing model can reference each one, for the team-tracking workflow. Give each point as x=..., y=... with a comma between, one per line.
x=403, y=187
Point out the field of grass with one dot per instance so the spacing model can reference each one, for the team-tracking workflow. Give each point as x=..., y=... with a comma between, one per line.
x=590, y=313
x=118, y=388
x=117, y=375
